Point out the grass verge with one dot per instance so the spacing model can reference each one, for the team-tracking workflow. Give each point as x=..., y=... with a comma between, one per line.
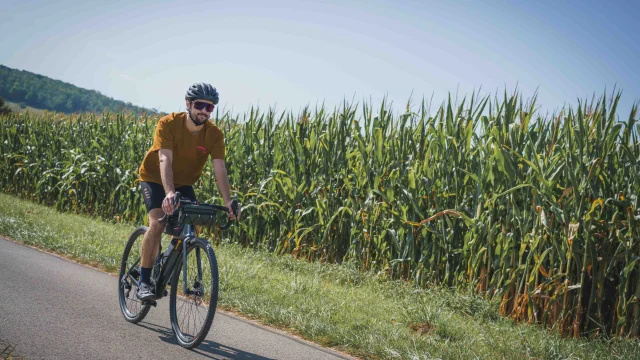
x=333, y=305
x=7, y=351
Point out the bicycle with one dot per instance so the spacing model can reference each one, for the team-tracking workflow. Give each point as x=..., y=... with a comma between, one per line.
x=181, y=263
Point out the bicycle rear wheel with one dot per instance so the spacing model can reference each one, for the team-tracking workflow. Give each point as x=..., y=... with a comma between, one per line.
x=131, y=307
x=192, y=312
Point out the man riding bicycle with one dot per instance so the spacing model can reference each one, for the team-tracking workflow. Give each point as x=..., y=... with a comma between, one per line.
x=181, y=145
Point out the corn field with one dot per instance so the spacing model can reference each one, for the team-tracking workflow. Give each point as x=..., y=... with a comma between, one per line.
x=539, y=212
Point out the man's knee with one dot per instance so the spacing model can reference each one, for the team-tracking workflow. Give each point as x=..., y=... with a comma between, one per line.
x=155, y=227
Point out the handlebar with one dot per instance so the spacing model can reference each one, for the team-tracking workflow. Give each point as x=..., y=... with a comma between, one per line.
x=178, y=200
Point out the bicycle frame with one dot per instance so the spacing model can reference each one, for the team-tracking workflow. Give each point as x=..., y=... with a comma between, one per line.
x=166, y=271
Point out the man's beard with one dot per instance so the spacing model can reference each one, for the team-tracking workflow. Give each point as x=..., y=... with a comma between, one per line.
x=196, y=119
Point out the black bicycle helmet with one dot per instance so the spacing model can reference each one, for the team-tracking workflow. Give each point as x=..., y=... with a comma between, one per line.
x=202, y=91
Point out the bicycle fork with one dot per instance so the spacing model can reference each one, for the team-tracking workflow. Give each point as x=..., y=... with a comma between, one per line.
x=185, y=278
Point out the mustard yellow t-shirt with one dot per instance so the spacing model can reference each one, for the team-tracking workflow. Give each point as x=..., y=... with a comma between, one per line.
x=190, y=151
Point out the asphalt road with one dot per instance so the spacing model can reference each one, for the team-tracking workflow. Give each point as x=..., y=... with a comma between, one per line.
x=51, y=308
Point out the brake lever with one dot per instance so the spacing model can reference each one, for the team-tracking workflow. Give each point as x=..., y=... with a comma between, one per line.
x=176, y=201
x=234, y=208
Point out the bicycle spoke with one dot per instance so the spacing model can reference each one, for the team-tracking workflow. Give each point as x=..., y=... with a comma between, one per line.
x=191, y=314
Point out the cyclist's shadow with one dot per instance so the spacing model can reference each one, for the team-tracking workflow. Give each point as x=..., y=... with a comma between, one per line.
x=210, y=349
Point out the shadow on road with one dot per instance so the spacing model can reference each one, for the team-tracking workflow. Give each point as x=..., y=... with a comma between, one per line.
x=210, y=349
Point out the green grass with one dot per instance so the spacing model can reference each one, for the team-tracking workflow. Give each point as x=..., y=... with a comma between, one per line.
x=334, y=305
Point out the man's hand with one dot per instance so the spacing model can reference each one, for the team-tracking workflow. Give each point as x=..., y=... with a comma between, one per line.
x=167, y=203
x=232, y=216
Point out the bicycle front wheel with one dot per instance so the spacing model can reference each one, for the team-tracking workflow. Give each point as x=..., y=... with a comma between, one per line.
x=192, y=310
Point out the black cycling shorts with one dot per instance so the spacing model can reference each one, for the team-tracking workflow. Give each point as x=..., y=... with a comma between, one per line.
x=153, y=194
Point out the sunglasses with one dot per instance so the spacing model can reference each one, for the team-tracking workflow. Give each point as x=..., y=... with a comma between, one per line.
x=199, y=105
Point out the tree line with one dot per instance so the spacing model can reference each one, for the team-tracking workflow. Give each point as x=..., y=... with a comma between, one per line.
x=4, y=109
x=38, y=91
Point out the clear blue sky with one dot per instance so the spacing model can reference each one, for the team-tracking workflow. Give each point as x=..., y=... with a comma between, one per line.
x=293, y=53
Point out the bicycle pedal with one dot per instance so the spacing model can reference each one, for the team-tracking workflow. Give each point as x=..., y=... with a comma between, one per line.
x=150, y=303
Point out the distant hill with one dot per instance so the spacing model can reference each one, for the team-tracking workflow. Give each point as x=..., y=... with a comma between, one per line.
x=38, y=91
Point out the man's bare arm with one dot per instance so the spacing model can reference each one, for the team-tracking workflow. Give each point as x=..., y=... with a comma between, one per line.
x=166, y=173
x=222, y=179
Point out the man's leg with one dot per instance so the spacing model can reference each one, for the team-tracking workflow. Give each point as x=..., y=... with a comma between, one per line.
x=153, y=194
x=152, y=237
x=150, y=246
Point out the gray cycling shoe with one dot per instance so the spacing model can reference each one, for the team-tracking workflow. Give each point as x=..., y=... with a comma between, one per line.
x=144, y=292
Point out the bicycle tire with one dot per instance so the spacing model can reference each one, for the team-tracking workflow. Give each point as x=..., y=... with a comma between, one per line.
x=131, y=308
x=185, y=336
